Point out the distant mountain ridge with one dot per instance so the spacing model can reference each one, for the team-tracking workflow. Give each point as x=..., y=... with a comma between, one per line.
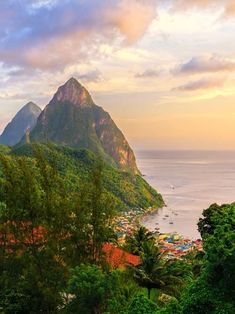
x=25, y=119
x=73, y=119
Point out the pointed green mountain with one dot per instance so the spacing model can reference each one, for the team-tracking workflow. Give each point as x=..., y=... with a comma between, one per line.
x=73, y=119
x=25, y=119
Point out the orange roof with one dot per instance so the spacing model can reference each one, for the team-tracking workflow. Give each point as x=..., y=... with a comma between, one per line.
x=118, y=258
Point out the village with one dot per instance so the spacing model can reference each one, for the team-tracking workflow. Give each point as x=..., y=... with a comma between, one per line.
x=172, y=245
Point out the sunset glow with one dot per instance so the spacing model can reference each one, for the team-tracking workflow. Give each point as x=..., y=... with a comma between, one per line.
x=164, y=70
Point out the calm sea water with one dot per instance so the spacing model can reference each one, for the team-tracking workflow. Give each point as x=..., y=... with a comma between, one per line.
x=189, y=182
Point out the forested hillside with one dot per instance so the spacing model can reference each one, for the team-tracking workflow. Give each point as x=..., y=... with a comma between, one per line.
x=129, y=190
x=58, y=247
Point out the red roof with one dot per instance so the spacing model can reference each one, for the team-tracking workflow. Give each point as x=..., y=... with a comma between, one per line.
x=118, y=258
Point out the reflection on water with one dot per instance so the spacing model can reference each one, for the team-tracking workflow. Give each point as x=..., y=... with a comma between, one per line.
x=189, y=182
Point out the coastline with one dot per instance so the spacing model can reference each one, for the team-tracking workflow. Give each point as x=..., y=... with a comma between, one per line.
x=172, y=244
x=127, y=222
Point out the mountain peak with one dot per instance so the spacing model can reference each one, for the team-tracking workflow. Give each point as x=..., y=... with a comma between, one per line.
x=72, y=119
x=31, y=106
x=72, y=80
x=73, y=92
x=25, y=118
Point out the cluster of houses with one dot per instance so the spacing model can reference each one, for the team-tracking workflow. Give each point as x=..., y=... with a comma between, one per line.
x=127, y=222
x=171, y=244
x=175, y=246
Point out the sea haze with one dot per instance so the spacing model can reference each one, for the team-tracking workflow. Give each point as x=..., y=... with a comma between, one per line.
x=189, y=182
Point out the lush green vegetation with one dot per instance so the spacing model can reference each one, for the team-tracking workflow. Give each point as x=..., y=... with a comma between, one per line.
x=47, y=227
x=129, y=191
x=56, y=212
x=4, y=149
x=214, y=290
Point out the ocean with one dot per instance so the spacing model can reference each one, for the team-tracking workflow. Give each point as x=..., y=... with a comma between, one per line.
x=189, y=182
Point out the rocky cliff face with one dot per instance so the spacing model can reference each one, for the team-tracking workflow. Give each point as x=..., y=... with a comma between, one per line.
x=72, y=119
x=25, y=119
x=72, y=91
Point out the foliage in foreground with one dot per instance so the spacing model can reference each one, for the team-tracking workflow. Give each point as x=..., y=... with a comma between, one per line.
x=96, y=291
x=214, y=291
x=46, y=227
x=51, y=261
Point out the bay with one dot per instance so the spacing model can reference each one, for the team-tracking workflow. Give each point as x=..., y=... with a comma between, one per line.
x=189, y=182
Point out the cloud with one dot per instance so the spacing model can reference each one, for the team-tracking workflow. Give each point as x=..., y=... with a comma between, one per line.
x=148, y=74
x=50, y=34
x=186, y=4
x=229, y=9
x=228, y=6
x=91, y=76
x=20, y=72
x=203, y=64
x=200, y=85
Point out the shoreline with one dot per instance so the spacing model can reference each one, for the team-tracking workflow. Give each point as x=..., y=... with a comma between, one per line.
x=173, y=244
x=126, y=223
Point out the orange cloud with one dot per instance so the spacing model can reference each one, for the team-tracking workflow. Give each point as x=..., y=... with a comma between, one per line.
x=132, y=17
x=228, y=5
x=230, y=9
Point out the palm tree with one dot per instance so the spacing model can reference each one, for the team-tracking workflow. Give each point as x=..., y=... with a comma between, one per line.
x=136, y=241
x=155, y=272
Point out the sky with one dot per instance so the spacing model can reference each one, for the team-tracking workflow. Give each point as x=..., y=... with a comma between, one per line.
x=163, y=69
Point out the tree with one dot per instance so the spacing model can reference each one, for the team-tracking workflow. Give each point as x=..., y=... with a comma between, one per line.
x=135, y=242
x=213, y=291
x=155, y=272
x=207, y=224
x=102, y=210
x=93, y=291
x=28, y=265
x=141, y=305
x=220, y=251
x=89, y=290
x=48, y=224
